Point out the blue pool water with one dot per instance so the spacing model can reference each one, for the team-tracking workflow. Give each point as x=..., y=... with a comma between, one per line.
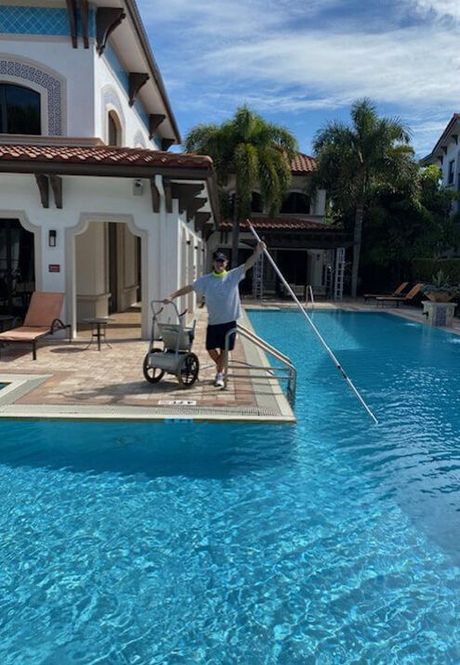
x=333, y=541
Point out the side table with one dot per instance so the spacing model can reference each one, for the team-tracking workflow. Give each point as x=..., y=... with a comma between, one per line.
x=98, y=330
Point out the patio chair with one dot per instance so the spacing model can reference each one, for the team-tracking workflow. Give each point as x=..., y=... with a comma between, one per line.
x=42, y=319
x=396, y=293
x=397, y=300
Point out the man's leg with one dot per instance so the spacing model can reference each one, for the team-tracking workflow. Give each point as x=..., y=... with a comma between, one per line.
x=215, y=355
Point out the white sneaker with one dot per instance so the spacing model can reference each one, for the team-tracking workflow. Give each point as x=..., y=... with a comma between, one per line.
x=219, y=382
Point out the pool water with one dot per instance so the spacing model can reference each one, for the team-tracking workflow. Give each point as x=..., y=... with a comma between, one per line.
x=332, y=541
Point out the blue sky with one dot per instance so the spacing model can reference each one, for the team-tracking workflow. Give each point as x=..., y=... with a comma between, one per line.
x=301, y=63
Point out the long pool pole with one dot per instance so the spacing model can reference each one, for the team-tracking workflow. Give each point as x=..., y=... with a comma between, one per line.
x=315, y=329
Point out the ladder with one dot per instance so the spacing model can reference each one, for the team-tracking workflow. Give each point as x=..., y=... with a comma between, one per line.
x=284, y=371
x=258, y=278
x=339, y=273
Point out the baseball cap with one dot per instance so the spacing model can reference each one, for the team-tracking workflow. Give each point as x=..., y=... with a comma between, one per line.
x=219, y=256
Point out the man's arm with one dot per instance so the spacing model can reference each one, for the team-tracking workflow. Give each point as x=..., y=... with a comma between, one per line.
x=180, y=292
x=260, y=247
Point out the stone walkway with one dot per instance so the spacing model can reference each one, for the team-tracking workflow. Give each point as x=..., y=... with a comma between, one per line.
x=74, y=379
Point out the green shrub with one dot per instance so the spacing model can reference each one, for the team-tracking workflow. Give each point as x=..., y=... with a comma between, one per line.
x=424, y=269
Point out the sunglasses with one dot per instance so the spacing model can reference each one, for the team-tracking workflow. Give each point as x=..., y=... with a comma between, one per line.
x=220, y=260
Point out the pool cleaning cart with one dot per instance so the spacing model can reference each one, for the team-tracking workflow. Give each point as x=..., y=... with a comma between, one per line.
x=176, y=356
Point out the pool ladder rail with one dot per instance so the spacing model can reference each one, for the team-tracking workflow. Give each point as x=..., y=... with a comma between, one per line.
x=310, y=298
x=287, y=373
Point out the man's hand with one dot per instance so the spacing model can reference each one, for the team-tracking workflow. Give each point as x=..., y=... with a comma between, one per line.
x=166, y=301
x=260, y=247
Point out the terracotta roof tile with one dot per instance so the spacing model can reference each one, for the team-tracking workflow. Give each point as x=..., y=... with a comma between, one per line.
x=281, y=224
x=303, y=164
x=106, y=155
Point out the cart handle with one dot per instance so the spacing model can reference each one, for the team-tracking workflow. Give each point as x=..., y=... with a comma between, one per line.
x=156, y=312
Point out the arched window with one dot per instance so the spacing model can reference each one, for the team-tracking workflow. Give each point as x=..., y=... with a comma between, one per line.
x=19, y=110
x=114, y=129
x=256, y=202
x=296, y=203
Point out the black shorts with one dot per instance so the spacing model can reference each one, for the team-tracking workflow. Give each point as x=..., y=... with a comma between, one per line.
x=215, y=336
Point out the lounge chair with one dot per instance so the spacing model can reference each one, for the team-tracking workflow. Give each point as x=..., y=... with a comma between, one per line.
x=396, y=293
x=42, y=319
x=397, y=300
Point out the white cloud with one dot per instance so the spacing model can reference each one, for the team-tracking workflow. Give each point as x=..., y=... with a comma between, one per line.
x=272, y=55
x=439, y=8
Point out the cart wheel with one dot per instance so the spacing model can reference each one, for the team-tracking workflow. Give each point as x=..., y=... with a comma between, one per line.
x=188, y=370
x=152, y=374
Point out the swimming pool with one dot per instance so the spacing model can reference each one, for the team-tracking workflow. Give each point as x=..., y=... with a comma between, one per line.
x=331, y=541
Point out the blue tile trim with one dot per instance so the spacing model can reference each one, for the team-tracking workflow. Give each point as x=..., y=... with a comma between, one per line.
x=33, y=20
x=123, y=79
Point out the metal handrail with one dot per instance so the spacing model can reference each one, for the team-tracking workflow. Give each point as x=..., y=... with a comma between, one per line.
x=288, y=372
x=312, y=297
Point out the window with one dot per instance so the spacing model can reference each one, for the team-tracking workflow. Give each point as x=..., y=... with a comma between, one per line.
x=114, y=129
x=296, y=203
x=256, y=202
x=450, y=174
x=19, y=110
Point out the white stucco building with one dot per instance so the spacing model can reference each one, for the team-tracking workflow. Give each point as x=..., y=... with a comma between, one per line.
x=303, y=245
x=91, y=202
x=446, y=154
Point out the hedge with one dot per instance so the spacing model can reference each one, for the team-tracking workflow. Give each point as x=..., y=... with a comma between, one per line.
x=424, y=269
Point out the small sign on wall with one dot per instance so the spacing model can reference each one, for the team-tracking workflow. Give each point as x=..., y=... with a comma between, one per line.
x=54, y=267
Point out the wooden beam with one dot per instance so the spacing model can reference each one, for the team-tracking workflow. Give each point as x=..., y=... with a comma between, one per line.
x=43, y=188
x=84, y=22
x=168, y=194
x=194, y=206
x=185, y=193
x=455, y=137
x=136, y=81
x=444, y=149
x=200, y=220
x=166, y=143
x=72, y=12
x=155, y=196
x=56, y=186
x=155, y=120
x=107, y=19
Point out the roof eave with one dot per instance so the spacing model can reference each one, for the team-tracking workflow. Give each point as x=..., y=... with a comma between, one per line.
x=140, y=30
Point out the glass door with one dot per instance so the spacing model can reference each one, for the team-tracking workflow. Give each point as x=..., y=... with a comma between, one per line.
x=17, y=273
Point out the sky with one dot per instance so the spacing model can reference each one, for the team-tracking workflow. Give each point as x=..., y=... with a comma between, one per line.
x=302, y=63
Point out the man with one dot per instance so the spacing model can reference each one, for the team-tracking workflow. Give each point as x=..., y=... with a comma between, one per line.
x=220, y=289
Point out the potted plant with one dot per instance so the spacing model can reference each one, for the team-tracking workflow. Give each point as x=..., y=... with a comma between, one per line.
x=440, y=290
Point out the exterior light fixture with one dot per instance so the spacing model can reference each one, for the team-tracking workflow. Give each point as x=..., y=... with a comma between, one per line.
x=52, y=238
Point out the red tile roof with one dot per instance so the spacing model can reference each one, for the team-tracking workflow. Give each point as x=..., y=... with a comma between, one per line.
x=103, y=155
x=303, y=164
x=281, y=224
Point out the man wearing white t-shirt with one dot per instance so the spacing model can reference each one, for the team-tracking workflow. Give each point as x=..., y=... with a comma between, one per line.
x=220, y=289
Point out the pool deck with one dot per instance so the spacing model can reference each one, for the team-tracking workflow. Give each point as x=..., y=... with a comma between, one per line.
x=77, y=381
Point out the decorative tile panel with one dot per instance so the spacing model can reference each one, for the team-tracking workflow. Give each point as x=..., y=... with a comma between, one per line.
x=34, y=21
x=29, y=73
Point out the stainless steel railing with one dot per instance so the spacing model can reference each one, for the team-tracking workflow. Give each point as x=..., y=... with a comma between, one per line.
x=286, y=373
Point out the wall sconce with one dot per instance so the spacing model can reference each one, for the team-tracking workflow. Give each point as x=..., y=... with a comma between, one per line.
x=189, y=242
x=52, y=238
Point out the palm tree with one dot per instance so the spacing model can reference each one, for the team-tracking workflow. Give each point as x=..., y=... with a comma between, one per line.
x=354, y=162
x=256, y=152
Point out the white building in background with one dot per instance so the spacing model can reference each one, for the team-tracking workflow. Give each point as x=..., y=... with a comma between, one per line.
x=91, y=204
x=446, y=154
x=303, y=245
